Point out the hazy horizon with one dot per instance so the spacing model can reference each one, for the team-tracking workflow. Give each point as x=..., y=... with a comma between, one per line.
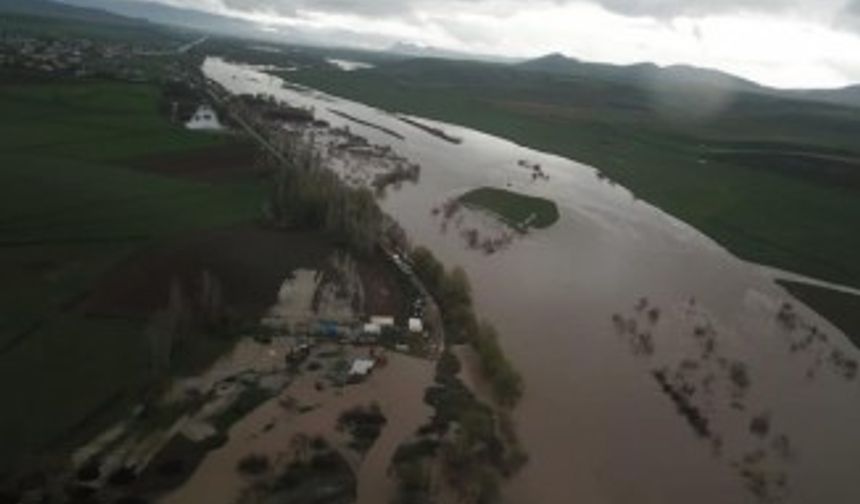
x=778, y=43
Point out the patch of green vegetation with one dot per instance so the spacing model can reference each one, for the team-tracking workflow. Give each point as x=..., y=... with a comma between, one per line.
x=412, y=466
x=479, y=449
x=63, y=375
x=321, y=477
x=253, y=464
x=660, y=152
x=364, y=425
x=840, y=308
x=454, y=294
x=249, y=399
x=307, y=197
x=507, y=384
x=518, y=210
x=483, y=445
x=71, y=209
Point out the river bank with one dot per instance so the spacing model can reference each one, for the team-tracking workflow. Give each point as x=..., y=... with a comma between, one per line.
x=552, y=295
x=771, y=200
x=306, y=364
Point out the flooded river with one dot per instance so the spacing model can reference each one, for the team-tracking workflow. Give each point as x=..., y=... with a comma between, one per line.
x=782, y=411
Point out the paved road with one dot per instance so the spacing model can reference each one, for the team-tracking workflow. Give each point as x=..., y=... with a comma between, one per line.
x=191, y=45
x=183, y=49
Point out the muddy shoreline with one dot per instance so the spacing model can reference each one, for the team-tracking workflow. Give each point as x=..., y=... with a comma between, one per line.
x=596, y=423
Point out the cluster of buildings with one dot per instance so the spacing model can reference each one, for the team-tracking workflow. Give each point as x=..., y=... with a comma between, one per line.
x=374, y=328
x=380, y=330
x=50, y=56
x=81, y=57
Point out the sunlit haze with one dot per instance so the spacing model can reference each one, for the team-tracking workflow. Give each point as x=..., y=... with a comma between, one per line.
x=781, y=43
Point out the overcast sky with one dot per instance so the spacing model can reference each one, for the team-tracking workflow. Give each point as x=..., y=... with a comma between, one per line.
x=783, y=43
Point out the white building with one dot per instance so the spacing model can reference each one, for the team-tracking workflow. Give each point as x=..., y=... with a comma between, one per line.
x=361, y=367
x=371, y=329
x=416, y=325
x=382, y=321
x=204, y=119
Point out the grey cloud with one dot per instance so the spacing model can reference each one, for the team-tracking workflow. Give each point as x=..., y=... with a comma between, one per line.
x=852, y=11
x=650, y=8
x=841, y=14
x=293, y=7
x=671, y=8
x=849, y=17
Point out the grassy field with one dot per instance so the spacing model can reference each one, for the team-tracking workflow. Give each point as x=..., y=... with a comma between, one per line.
x=519, y=210
x=843, y=310
x=71, y=208
x=794, y=217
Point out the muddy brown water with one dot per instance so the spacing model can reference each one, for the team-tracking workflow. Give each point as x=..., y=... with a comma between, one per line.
x=594, y=421
x=269, y=430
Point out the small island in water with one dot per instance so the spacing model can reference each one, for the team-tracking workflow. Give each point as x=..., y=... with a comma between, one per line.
x=518, y=210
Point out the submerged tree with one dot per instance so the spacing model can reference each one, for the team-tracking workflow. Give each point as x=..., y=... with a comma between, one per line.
x=306, y=195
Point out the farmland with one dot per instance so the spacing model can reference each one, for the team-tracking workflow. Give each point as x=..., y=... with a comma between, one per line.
x=75, y=204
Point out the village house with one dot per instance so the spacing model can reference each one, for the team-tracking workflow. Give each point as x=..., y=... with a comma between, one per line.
x=361, y=368
x=205, y=118
x=371, y=329
x=383, y=321
x=416, y=326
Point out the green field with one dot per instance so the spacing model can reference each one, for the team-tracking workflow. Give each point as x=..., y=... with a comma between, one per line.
x=71, y=207
x=518, y=210
x=792, y=216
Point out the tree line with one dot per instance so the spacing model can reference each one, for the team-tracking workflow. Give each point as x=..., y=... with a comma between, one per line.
x=305, y=195
x=453, y=292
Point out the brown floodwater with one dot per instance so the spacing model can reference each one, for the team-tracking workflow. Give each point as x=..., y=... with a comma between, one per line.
x=398, y=389
x=782, y=415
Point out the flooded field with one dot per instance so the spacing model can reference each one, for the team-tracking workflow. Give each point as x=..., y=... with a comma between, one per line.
x=659, y=368
x=305, y=408
x=303, y=397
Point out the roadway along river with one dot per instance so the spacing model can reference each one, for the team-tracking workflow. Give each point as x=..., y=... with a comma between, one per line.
x=782, y=410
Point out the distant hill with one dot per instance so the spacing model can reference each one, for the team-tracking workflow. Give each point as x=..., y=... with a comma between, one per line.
x=845, y=96
x=52, y=9
x=771, y=177
x=694, y=83
x=418, y=51
x=681, y=77
x=554, y=63
x=643, y=73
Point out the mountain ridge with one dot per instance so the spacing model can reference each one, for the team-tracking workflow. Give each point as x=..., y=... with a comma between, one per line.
x=683, y=75
x=671, y=77
x=65, y=10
